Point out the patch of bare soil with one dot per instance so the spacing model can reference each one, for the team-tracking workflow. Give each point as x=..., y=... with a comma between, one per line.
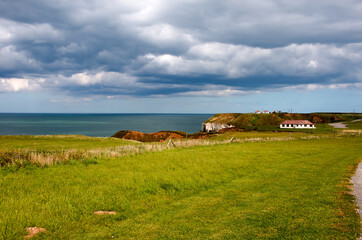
x=33, y=231
x=105, y=212
x=338, y=125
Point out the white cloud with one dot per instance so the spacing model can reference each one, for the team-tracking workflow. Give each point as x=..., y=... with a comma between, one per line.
x=179, y=65
x=106, y=78
x=217, y=93
x=165, y=35
x=13, y=59
x=72, y=48
x=235, y=61
x=19, y=84
x=38, y=33
x=312, y=64
x=312, y=87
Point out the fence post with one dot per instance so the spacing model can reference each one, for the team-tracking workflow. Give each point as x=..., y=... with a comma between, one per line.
x=168, y=144
x=231, y=139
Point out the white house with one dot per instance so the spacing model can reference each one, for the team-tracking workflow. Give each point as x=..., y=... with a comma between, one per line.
x=297, y=124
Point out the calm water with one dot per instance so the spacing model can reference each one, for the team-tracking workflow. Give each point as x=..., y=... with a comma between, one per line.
x=97, y=124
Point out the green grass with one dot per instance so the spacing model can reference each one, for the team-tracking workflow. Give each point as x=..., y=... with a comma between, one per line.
x=354, y=125
x=57, y=142
x=320, y=128
x=271, y=190
x=256, y=134
x=276, y=132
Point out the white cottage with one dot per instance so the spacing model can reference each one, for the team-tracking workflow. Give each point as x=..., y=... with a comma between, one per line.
x=303, y=124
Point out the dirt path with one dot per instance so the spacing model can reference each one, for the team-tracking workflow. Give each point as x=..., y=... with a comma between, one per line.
x=357, y=189
x=338, y=125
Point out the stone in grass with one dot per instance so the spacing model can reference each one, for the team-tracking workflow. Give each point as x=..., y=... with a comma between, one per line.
x=33, y=231
x=105, y=212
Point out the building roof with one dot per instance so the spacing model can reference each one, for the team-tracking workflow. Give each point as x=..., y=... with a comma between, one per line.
x=296, y=122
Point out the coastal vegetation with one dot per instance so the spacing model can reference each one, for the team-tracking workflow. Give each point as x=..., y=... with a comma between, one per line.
x=42, y=151
x=260, y=121
x=263, y=186
x=357, y=124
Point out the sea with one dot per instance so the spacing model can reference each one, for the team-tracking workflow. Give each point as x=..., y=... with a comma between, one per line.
x=96, y=125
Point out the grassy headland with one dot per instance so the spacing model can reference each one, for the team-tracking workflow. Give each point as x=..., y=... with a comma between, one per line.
x=261, y=187
x=251, y=121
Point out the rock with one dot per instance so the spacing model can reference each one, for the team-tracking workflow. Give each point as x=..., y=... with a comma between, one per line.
x=32, y=231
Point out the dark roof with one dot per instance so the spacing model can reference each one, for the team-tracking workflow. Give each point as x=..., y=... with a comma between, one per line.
x=297, y=122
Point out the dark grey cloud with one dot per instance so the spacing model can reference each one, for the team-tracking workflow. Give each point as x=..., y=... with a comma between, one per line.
x=158, y=48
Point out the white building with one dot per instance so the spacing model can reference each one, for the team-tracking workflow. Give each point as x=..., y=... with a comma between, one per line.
x=214, y=127
x=297, y=124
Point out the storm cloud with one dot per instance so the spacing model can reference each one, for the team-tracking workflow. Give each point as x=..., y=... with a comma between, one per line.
x=182, y=48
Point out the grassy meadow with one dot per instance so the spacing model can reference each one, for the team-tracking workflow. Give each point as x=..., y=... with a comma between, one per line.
x=357, y=125
x=59, y=142
x=263, y=186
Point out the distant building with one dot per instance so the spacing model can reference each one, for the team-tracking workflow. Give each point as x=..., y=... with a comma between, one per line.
x=266, y=112
x=297, y=124
x=214, y=127
x=257, y=112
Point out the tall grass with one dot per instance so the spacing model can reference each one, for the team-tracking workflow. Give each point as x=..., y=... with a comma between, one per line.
x=21, y=157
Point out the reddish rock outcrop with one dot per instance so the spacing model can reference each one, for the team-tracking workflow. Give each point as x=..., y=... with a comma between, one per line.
x=149, y=137
x=158, y=136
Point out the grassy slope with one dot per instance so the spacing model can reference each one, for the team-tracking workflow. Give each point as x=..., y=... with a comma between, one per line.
x=354, y=125
x=246, y=191
x=58, y=142
x=250, y=120
x=320, y=128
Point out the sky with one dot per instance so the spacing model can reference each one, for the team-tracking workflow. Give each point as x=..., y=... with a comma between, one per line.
x=180, y=56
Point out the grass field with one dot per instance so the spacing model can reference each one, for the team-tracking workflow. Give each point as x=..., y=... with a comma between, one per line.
x=354, y=125
x=320, y=128
x=41, y=151
x=251, y=190
x=57, y=142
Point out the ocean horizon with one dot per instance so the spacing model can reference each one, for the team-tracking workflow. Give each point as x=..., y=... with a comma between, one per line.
x=97, y=124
